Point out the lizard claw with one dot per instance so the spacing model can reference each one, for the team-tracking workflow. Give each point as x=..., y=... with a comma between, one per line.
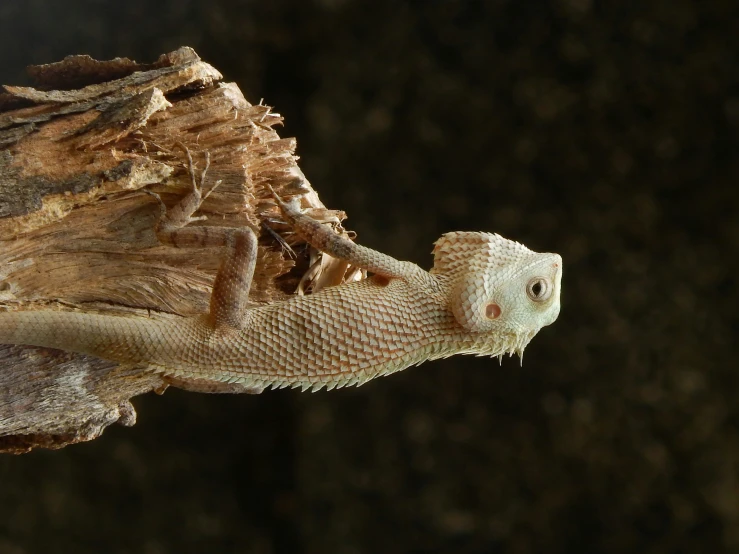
x=276, y=196
x=162, y=206
x=214, y=187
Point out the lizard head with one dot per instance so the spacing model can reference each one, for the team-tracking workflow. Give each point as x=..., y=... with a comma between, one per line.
x=500, y=290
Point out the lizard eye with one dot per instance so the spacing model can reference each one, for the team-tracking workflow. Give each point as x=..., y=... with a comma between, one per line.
x=539, y=289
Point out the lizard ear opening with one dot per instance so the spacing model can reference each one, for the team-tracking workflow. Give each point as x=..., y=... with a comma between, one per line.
x=492, y=311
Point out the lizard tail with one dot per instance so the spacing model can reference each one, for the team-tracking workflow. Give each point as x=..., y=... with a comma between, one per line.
x=121, y=339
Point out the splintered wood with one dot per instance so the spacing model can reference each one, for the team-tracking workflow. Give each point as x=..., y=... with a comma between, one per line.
x=77, y=229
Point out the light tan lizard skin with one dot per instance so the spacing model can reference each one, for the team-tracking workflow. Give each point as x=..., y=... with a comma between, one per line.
x=485, y=295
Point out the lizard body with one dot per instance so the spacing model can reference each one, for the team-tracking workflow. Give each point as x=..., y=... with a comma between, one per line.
x=485, y=295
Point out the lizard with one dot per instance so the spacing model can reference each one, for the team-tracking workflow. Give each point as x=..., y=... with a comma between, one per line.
x=484, y=295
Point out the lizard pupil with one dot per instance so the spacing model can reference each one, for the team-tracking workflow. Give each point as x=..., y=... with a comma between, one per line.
x=536, y=288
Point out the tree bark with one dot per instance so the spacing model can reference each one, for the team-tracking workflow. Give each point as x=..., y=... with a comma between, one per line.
x=76, y=228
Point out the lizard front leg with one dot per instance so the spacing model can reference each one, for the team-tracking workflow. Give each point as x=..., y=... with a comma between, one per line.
x=323, y=238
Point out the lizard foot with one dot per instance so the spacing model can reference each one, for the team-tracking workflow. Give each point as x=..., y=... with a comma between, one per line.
x=181, y=214
x=291, y=208
x=198, y=185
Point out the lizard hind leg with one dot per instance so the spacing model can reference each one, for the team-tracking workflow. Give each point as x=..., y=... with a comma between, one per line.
x=229, y=300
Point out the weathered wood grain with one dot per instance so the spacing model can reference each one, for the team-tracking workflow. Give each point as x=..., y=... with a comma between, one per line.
x=77, y=229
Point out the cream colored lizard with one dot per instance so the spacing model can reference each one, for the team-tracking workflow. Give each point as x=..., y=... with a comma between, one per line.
x=485, y=295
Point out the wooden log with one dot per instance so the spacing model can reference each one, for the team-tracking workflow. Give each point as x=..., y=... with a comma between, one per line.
x=76, y=228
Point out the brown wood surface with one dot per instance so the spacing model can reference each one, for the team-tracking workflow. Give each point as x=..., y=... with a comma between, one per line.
x=77, y=229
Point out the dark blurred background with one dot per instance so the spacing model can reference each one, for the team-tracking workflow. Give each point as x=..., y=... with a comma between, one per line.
x=605, y=131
